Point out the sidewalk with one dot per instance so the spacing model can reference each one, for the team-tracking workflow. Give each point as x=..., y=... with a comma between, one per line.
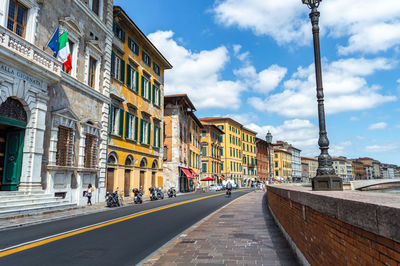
x=239, y=233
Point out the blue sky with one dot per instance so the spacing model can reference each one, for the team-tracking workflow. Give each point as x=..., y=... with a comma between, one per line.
x=252, y=60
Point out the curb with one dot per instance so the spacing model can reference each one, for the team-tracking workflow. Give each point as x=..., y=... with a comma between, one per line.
x=157, y=254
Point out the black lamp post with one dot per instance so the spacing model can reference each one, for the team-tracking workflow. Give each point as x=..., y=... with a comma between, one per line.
x=326, y=179
x=269, y=142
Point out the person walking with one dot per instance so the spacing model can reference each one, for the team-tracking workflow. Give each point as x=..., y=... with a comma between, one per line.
x=89, y=192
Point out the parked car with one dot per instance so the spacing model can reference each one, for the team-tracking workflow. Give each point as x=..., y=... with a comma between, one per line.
x=213, y=187
x=220, y=187
x=234, y=185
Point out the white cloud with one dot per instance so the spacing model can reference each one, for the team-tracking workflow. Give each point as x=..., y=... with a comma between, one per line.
x=243, y=57
x=301, y=134
x=354, y=118
x=380, y=125
x=345, y=89
x=198, y=74
x=383, y=148
x=360, y=137
x=337, y=150
x=397, y=126
x=370, y=26
x=264, y=81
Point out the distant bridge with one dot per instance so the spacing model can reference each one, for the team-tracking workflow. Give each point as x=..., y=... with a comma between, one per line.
x=360, y=184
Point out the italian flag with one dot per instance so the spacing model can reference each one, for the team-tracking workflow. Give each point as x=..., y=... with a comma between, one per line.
x=64, y=54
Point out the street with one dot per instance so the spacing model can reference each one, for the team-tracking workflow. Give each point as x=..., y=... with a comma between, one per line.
x=123, y=236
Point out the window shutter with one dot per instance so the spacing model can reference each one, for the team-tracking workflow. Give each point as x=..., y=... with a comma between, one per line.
x=149, y=92
x=159, y=97
x=159, y=137
x=128, y=76
x=114, y=27
x=130, y=43
x=121, y=123
x=142, y=86
x=136, y=127
x=154, y=137
x=148, y=133
x=136, y=49
x=137, y=81
x=153, y=99
x=112, y=63
x=109, y=119
x=141, y=130
x=122, y=71
x=127, y=124
x=122, y=36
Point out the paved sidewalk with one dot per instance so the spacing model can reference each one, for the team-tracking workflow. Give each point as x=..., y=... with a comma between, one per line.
x=242, y=232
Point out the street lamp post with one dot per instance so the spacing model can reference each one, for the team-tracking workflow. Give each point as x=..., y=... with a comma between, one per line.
x=269, y=142
x=326, y=179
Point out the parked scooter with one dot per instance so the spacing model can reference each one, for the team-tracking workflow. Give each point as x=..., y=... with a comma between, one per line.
x=160, y=193
x=153, y=193
x=138, y=196
x=171, y=192
x=112, y=199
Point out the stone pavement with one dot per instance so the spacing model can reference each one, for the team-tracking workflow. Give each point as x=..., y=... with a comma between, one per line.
x=243, y=232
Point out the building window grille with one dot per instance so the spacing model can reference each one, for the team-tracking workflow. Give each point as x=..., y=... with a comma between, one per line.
x=65, y=146
x=92, y=72
x=90, y=151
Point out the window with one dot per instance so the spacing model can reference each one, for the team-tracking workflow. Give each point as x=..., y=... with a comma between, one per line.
x=156, y=69
x=129, y=123
x=157, y=137
x=90, y=151
x=146, y=88
x=116, y=121
x=146, y=58
x=222, y=152
x=92, y=72
x=65, y=146
x=204, y=150
x=96, y=6
x=119, y=33
x=133, y=46
x=276, y=164
x=117, y=67
x=204, y=133
x=132, y=78
x=204, y=167
x=145, y=132
x=222, y=166
x=156, y=95
x=276, y=173
x=17, y=18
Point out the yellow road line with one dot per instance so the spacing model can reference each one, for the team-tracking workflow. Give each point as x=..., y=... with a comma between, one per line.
x=43, y=241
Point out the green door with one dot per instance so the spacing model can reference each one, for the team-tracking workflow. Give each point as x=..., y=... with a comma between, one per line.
x=13, y=159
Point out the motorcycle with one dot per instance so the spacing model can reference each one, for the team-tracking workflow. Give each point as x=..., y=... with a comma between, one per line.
x=228, y=192
x=138, y=196
x=153, y=193
x=171, y=192
x=112, y=199
x=160, y=194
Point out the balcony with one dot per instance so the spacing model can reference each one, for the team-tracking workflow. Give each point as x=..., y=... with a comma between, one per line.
x=21, y=53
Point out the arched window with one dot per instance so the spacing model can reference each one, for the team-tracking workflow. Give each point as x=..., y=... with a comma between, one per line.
x=112, y=158
x=129, y=160
x=154, y=165
x=143, y=163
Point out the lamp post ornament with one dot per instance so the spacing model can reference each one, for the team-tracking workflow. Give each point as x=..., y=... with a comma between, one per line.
x=326, y=178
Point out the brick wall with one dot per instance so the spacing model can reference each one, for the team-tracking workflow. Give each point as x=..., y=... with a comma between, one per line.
x=325, y=240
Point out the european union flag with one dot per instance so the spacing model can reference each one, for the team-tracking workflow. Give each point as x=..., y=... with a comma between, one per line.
x=53, y=43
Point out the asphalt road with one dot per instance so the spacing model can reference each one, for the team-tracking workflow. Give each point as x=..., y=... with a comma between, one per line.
x=125, y=241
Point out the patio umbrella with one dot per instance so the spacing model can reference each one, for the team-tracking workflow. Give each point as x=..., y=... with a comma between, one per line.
x=207, y=179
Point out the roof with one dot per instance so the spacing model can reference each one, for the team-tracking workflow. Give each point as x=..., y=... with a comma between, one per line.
x=196, y=119
x=183, y=98
x=205, y=124
x=117, y=11
x=216, y=119
x=246, y=129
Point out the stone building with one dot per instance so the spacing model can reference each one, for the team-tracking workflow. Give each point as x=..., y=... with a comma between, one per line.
x=263, y=169
x=177, y=111
x=62, y=117
x=136, y=111
x=312, y=167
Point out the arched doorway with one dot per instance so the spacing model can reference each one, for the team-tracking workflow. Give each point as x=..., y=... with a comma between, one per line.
x=143, y=167
x=112, y=160
x=127, y=177
x=13, y=121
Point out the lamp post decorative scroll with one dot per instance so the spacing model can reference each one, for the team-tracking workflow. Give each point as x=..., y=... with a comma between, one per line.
x=326, y=179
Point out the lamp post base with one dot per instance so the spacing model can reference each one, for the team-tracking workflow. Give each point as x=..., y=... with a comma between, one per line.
x=327, y=183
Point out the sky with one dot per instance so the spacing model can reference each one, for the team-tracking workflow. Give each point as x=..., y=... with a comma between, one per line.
x=253, y=61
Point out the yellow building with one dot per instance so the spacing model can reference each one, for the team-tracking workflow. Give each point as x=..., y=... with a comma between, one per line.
x=249, y=155
x=136, y=112
x=195, y=127
x=312, y=166
x=232, y=167
x=211, y=151
x=283, y=164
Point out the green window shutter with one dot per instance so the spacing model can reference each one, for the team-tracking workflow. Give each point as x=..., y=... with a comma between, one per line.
x=149, y=87
x=130, y=43
x=112, y=64
x=127, y=124
x=109, y=119
x=122, y=71
x=137, y=81
x=122, y=36
x=153, y=99
x=148, y=133
x=159, y=97
x=141, y=130
x=159, y=138
x=154, y=137
x=136, y=127
x=128, y=76
x=142, y=86
x=136, y=49
x=121, y=123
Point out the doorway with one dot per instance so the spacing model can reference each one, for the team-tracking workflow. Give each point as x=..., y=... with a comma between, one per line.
x=127, y=183
x=110, y=180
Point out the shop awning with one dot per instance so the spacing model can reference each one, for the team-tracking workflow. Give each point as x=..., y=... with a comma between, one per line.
x=222, y=177
x=194, y=173
x=187, y=173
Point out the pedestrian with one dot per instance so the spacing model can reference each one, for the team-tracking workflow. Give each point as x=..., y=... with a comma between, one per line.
x=89, y=192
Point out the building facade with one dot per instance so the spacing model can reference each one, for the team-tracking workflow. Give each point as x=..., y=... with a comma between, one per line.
x=262, y=151
x=312, y=167
x=283, y=165
x=211, y=152
x=195, y=127
x=359, y=171
x=340, y=166
x=296, y=164
x=177, y=109
x=249, y=155
x=136, y=109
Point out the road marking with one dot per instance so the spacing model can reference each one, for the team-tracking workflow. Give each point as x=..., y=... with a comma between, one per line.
x=49, y=239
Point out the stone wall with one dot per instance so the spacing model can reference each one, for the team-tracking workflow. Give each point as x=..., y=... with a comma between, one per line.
x=338, y=228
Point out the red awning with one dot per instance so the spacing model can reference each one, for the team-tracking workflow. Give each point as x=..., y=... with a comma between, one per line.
x=208, y=179
x=194, y=173
x=187, y=173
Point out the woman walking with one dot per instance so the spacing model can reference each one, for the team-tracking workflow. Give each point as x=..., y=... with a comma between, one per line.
x=89, y=192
